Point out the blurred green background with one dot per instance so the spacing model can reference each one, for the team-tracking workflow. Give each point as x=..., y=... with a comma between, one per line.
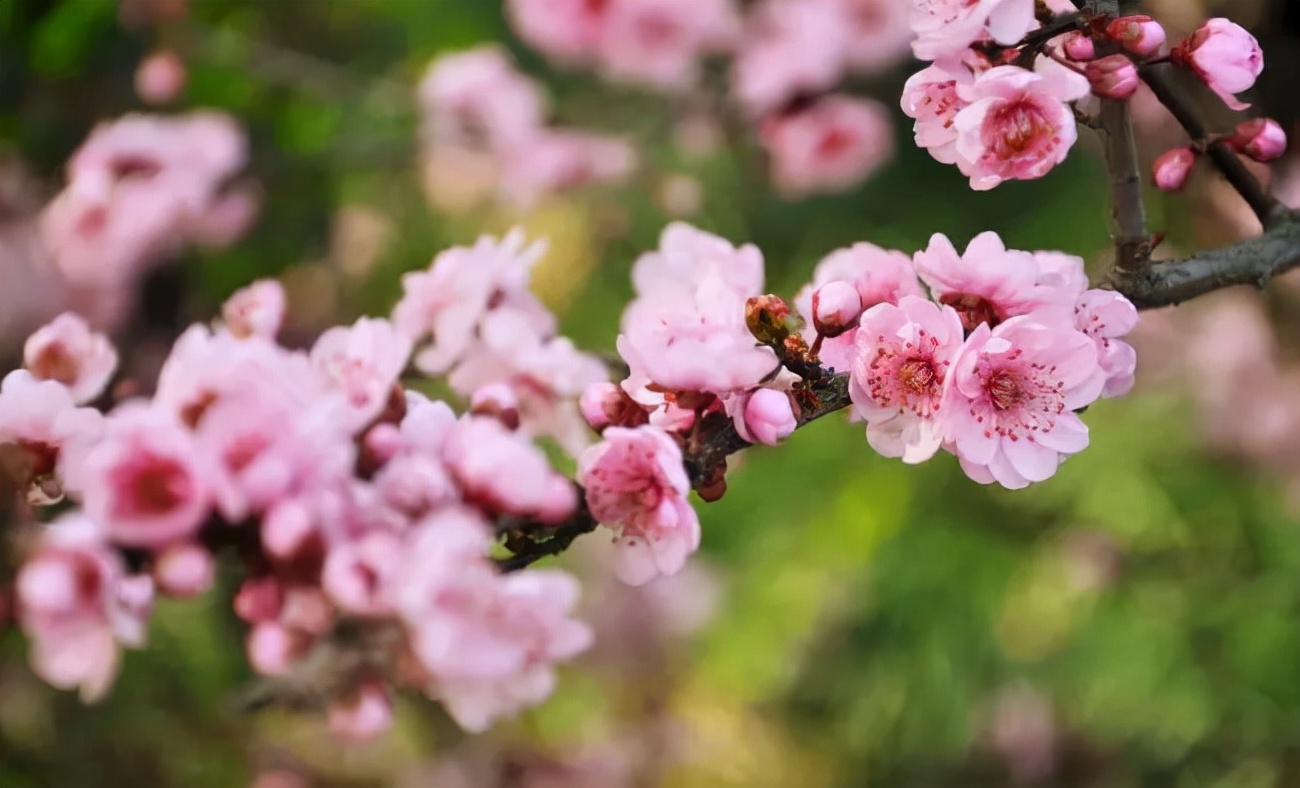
x=1134, y=621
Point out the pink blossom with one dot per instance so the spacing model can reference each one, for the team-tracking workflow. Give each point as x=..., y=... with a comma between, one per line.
x=686, y=329
x=357, y=574
x=478, y=96
x=1010, y=398
x=1017, y=125
x=660, y=44
x=768, y=417
x=184, y=570
x=364, y=363
x=67, y=351
x=880, y=33
x=272, y=648
x=564, y=29
x=1225, y=56
x=790, y=47
x=255, y=310
x=946, y=27
x=555, y=160
x=989, y=283
x=71, y=607
x=146, y=481
x=830, y=146
x=1106, y=316
x=1113, y=76
x=50, y=432
x=1172, y=167
x=160, y=77
x=933, y=97
x=367, y=713
x=1262, y=139
x=1139, y=34
x=879, y=276
x=463, y=283
x=1079, y=46
x=636, y=485
x=903, y=356
x=836, y=307
x=496, y=468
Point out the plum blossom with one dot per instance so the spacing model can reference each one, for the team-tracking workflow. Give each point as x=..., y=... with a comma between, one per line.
x=145, y=481
x=77, y=606
x=903, y=357
x=790, y=47
x=1010, y=398
x=1106, y=316
x=67, y=351
x=636, y=486
x=829, y=146
x=685, y=330
x=496, y=468
x=1225, y=56
x=879, y=276
x=765, y=416
x=946, y=27
x=880, y=33
x=478, y=96
x=1017, y=125
x=51, y=434
x=556, y=160
x=567, y=30
x=255, y=310
x=363, y=362
x=364, y=715
x=933, y=97
x=160, y=77
x=1171, y=168
x=989, y=283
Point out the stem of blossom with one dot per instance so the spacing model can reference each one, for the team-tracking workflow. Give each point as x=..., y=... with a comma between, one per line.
x=1158, y=78
x=1132, y=241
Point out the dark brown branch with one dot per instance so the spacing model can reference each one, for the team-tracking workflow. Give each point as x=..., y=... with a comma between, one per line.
x=1159, y=77
x=1251, y=262
x=1129, y=225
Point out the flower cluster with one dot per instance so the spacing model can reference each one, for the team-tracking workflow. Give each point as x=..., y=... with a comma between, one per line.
x=485, y=129
x=349, y=500
x=787, y=58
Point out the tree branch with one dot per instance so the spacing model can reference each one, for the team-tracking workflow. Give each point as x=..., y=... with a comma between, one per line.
x=1159, y=77
x=1129, y=221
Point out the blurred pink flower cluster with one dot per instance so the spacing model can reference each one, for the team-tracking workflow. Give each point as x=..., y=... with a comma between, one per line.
x=485, y=124
x=347, y=498
x=787, y=58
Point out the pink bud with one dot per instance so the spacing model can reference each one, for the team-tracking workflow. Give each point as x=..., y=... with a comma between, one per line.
x=498, y=401
x=1172, y=168
x=1262, y=139
x=604, y=404
x=259, y=599
x=561, y=501
x=1225, y=56
x=836, y=307
x=769, y=416
x=1079, y=46
x=271, y=649
x=1139, y=34
x=184, y=570
x=364, y=716
x=286, y=529
x=1113, y=76
x=160, y=77
x=383, y=441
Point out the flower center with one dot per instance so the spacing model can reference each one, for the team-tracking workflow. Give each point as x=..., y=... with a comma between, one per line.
x=153, y=486
x=917, y=375
x=54, y=362
x=1015, y=129
x=973, y=310
x=1004, y=390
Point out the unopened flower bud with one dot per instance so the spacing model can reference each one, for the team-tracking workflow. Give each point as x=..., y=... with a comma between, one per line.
x=498, y=401
x=1225, y=56
x=259, y=599
x=1139, y=34
x=1079, y=46
x=765, y=316
x=271, y=649
x=769, y=416
x=160, y=77
x=561, y=501
x=1172, y=168
x=184, y=570
x=836, y=307
x=1262, y=139
x=1113, y=77
x=365, y=715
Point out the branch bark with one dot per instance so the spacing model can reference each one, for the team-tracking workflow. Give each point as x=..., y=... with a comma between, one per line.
x=1128, y=214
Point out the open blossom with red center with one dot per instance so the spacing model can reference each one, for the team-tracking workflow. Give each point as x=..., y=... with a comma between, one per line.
x=1010, y=398
x=146, y=481
x=362, y=362
x=902, y=357
x=1018, y=124
x=636, y=485
x=932, y=97
x=989, y=283
x=1106, y=316
x=50, y=434
x=829, y=146
x=66, y=350
x=946, y=27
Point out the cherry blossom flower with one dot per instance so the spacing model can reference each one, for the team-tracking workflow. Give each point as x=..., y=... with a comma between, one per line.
x=145, y=481
x=933, y=97
x=363, y=362
x=1017, y=125
x=77, y=607
x=946, y=27
x=830, y=146
x=67, y=351
x=636, y=485
x=357, y=574
x=1106, y=316
x=160, y=77
x=478, y=96
x=1225, y=56
x=1262, y=139
x=1010, y=398
x=1171, y=168
x=879, y=276
x=556, y=160
x=51, y=434
x=366, y=714
x=686, y=329
x=567, y=30
x=255, y=310
x=989, y=283
x=496, y=468
x=880, y=33
x=790, y=47
x=660, y=44
x=767, y=416
x=903, y=357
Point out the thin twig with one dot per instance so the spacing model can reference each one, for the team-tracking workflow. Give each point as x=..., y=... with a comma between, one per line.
x=1159, y=79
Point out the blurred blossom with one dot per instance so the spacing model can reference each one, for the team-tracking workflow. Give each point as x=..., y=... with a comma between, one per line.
x=829, y=146
x=1023, y=730
x=68, y=352
x=160, y=77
